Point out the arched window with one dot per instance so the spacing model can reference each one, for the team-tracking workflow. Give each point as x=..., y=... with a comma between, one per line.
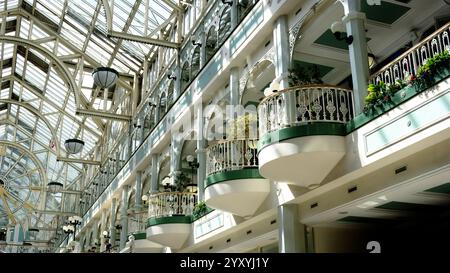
x=195, y=67
x=162, y=105
x=224, y=25
x=211, y=43
x=185, y=77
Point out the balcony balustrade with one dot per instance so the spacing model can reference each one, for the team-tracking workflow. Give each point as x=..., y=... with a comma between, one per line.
x=409, y=62
x=315, y=103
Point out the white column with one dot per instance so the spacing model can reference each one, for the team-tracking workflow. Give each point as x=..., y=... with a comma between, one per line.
x=175, y=155
x=291, y=233
x=138, y=194
x=135, y=95
x=103, y=228
x=124, y=217
x=154, y=187
x=282, y=64
x=177, y=72
x=202, y=38
x=234, y=86
x=144, y=80
x=201, y=155
x=112, y=227
x=359, y=63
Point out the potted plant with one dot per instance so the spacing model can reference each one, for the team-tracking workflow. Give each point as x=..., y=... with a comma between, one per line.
x=181, y=180
x=432, y=66
x=199, y=210
x=304, y=76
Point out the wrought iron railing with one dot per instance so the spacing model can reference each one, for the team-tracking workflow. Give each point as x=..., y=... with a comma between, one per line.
x=171, y=203
x=302, y=105
x=232, y=155
x=409, y=62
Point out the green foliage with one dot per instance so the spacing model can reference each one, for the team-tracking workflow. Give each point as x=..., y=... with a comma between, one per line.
x=243, y=127
x=305, y=76
x=181, y=181
x=433, y=64
x=200, y=209
x=381, y=93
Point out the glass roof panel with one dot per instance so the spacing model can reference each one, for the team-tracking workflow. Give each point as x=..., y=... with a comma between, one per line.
x=76, y=32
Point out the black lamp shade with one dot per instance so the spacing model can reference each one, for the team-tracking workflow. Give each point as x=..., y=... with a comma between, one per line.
x=73, y=145
x=54, y=187
x=105, y=77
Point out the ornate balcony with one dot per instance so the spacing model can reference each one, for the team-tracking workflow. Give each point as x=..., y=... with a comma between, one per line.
x=140, y=244
x=302, y=133
x=409, y=62
x=233, y=182
x=170, y=217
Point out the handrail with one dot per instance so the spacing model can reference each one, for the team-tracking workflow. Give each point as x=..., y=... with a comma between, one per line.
x=305, y=104
x=278, y=92
x=409, y=62
x=232, y=155
x=165, y=204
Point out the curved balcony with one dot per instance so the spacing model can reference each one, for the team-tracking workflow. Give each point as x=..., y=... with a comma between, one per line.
x=140, y=244
x=233, y=182
x=169, y=222
x=303, y=131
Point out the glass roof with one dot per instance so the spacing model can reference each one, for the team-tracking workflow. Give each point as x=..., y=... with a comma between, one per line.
x=37, y=108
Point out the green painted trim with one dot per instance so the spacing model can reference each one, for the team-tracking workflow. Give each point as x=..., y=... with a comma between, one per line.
x=366, y=220
x=313, y=129
x=247, y=173
x=138, y=235
x=403, y=206
x=387, y=13
x=409, y=92
x=323, y=69
x=328, y=39
x=444, y=188
x=176, y=219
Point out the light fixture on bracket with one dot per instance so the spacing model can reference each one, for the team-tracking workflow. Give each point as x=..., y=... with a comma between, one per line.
x=170, y=76
x=54, y=187
x=69, y=229
x=192, y=161
x=105, y=77
x=73, y=145
x=137, y=123
x=105, y=234
x=227, y=2
x=337, y=28
x=75, y=220
x=144, y=198
x=195, y=43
